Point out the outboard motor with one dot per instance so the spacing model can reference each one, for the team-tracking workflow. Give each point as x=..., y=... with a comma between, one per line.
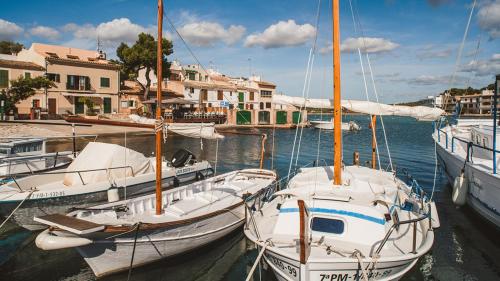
x=182, y=157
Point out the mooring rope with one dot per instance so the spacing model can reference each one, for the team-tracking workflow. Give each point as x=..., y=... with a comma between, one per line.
x=257, y=261
x=133, y=251
x=357, y=254
x=17, y=207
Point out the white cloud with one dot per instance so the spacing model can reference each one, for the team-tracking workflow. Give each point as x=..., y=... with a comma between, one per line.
x=281, y=34
x=367, y=44
x=110, y=33
x=483, y=67
x=489, y=18
x=430, y=52
x=45, y=32
x=9, y=30
x=205, y=33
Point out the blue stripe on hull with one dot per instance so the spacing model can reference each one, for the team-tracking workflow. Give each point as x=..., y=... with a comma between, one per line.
x=337, y=212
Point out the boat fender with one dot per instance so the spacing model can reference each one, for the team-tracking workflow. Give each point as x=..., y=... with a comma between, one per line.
x=460, y=189
x=113, y=194
x=199, y=176
x=434, y=216
x=48, y=241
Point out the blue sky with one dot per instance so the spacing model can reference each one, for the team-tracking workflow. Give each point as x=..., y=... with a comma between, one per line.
x=412, y=44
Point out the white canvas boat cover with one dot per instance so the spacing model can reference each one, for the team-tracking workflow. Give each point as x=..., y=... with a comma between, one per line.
x=422, y=113
x=97, y=155
x=191, y=130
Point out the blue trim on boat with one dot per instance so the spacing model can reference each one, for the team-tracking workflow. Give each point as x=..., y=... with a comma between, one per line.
x=337, y=212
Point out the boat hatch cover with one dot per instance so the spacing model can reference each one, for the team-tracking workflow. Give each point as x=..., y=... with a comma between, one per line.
x=70, y=224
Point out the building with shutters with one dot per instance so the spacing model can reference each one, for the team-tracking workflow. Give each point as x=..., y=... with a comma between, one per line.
x=87, y=83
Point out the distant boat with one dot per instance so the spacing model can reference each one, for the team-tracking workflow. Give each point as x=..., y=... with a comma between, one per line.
x=28, y=156
x=328, y=125
x=100, y=172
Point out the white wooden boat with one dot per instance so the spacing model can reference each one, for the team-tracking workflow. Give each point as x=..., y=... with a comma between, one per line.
x=372, y=214
x=328, y=125
x=100, y=172
x=345, y=222
x=193, y=216
x=465, y=151
x=28, y=156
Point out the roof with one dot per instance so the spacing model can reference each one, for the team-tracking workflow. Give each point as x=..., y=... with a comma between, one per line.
x=264, y=83
x=214, y=85
x=20, y=65
x=67, y=53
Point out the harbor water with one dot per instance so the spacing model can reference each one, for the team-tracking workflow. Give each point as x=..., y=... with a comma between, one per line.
x=465, y=247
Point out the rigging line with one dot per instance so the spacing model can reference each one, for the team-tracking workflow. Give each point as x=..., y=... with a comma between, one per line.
x=308, y=81
x=366, y=86
x=300, y=109
x=374, y=86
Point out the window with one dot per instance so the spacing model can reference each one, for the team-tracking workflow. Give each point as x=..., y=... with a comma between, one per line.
x=4, y=78
x=251, y=96
x=76, y=82
x=104, y=82
x=124, y=104
x=36, y=103
x=268, y=105
x=220, y=95
x=204, y=95
x=266, y=94
x=27, y=75
x=191, y=90
x=192, y=76
x=327, y=225
x=54, y=77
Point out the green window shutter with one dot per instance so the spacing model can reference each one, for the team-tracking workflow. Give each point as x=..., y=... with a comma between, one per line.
x=4, y=78
x=105, y=82
x=27, y=75
x=87, y=83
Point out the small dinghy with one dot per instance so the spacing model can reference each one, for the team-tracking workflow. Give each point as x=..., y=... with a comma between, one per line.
x=117, y=174
x=328, y=125
x=112, y=235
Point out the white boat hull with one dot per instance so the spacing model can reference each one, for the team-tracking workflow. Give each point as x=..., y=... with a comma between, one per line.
x=106, y=257
x=288, y=270
x=484, y=187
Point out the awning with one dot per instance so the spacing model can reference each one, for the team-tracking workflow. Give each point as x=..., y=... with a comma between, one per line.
x=88, y=95
x=170, y=101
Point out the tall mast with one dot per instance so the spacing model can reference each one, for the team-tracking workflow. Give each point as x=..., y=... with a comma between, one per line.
x=159, y=130
x=337, y=111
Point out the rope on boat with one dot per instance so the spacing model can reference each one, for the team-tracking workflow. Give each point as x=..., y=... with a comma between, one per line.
x=133, y=251
x=17, y=207
x=257, y=261
x=357, y=254
x=161, y=126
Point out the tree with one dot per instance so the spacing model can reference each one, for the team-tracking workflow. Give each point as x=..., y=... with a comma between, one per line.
x=142, y=55
x=9, y=47
x=23, y=88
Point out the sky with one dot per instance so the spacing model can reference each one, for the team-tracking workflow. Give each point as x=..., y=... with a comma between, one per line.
x=412, y=45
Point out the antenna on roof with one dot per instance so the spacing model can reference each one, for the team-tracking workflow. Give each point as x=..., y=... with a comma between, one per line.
x=102, y=54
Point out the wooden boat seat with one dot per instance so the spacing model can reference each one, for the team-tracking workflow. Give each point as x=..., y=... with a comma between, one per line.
x=70, y=224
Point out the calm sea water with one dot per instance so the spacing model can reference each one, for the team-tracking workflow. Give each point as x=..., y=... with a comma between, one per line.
x=465, y=248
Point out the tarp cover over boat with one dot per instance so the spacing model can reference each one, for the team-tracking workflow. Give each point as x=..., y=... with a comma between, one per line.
x=97, y=155
x=422, y=113
x=191, y=130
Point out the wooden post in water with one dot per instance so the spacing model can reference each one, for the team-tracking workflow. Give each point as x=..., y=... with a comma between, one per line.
x=374, y=141
x=159, y=130
x=337, y=111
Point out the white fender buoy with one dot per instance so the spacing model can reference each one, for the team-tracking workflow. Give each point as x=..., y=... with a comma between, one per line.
x=113, y=195
x=460, y=189
x=46, y=241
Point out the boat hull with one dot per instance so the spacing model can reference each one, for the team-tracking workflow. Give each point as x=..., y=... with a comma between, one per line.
x=286, y=269
x=106, y=257
x=484, y=187
x=24, y=215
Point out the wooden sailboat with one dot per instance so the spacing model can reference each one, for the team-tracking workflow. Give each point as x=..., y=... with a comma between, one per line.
x=125, y=234
x=343, y=222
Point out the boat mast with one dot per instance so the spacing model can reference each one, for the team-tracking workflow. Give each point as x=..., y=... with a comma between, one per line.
x=495, y=124
x=158, y=128
x=337, y=111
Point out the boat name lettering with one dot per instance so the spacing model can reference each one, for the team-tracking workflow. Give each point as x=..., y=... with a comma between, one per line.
x=355, y=276
x=47, y=194
x=287, y=268
x=185, y=170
